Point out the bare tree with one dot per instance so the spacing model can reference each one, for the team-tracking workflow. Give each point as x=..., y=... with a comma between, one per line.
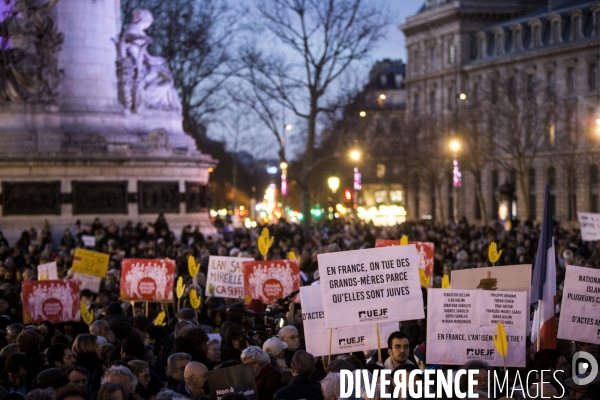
x=326, y=38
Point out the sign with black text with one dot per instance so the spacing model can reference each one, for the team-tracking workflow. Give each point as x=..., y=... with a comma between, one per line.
x=461, y=325
x=236, y=379
x=343, y=340
x=363, y=287
x=580, y=307
x=226, y=276
x=590, y=225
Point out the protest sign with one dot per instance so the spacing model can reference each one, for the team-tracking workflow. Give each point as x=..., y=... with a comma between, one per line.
x=88, y=282
x=269, y=279
x=147, y=280
x=461, y=325
x=590, y=225
x=580, y=307
x=515, y=278
x=426, y=252
x=90, y=262
x=47, y=271
x=56, y=301
x=236, y=379
x=226, y=276
x=363, y=287
x=88, y=241
x=343, y=340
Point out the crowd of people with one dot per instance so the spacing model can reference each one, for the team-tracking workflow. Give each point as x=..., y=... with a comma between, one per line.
x=124, y=355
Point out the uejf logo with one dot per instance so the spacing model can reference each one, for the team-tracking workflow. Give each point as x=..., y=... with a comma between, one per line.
x=351, y=340
x=587, y=368
x=480, y=352
x=372, y=314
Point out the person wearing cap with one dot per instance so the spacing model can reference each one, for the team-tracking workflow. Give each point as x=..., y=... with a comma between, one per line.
x=300, y=386
x=275, y=348
x=50, y=378
x=419, y=353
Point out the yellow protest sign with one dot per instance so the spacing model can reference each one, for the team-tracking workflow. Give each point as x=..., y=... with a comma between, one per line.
x=86, y=315
x=493, y=253
x=180, y=287
x=193, y=268
x=423, y=278
x=404, y=240
x=446, y=282
x=194, y=299
x=90, y=262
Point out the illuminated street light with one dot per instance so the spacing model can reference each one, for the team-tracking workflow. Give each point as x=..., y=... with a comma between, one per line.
x=355, y=155
x=462, y=96
x=334, y=183
x=283, y=165
x=382, y=96
x=454, y=146
x=362, y=114
x=288, y=127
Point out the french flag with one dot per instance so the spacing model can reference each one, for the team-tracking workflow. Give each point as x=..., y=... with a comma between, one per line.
x=543, y=288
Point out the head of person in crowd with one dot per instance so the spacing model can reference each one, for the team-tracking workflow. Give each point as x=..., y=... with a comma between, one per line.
x=16, y=368
x=86, y=345
x=198, y=338
x=542, y=391
x=337, y=365
x=551, y=360
x=303, y=363
x=420, y=356
x=60, y=356
x=9, y=349
x=186, y=314
x=50, y=378
x=79, y=377
x=176, y=364
x=330, y=386
x=236, y=313
x=155, y=335
x=141, y=370
x=12, y=331
x=398, y=349
x=132, y=346
x=352, y=359
x=214, y=351
x=235, y=337
x=139, y=323
x=100, y=328
x=257, y=356
x=481, y=376
x=123, y=376
x=195, y=375
x=591, y=348
x=112, y=391
x=41, y=394
x=182, y=327
x=72, y=393
x=274, y=347
x=289, y=334
x=589, y=391
x=167, y=394
x=29, y=341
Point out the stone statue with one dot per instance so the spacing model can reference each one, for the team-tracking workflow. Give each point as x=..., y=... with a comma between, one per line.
x=145, y=81
x=29, y=43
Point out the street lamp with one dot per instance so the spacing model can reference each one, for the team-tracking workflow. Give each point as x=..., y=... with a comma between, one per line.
x=456, y=178
x=355, y=155
x=362, y=114
x=334, y=183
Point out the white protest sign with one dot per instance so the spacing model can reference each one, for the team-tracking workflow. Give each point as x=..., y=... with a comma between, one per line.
x=363, y=287
x=88, y=282
x=461, y=325
x=343, y=340
x=88, y=241
x=590, y=225
x=226, y=276
x=580, y=307
x=47, y=271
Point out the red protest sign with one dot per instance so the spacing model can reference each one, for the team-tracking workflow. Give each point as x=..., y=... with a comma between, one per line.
x=147, y=280
x=56, y=301
x=270, y=279
x=426, y=251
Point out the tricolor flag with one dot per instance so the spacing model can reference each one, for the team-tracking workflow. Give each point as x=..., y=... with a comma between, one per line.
x=543, y=288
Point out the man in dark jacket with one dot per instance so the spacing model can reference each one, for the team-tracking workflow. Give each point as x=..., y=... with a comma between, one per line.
x=300, y=386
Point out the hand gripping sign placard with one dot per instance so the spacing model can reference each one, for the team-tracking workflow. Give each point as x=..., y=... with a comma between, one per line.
x=580, y=308
x=147, y=280
x=426, y=252
x=364, y=287
x=343, y=340
x=270, y=279
x=226, y=276
x=54, y=300
x=461, y=325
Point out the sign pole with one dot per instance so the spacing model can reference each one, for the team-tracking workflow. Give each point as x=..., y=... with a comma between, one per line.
x=378, y=344
x=330, y=338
